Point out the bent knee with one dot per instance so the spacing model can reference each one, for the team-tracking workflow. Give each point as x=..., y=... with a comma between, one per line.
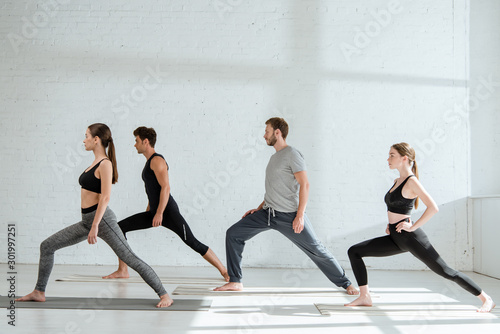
x=46, y=247
x=353, y=252
x=231, y=233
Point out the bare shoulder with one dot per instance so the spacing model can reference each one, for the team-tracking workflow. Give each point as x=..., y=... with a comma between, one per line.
x=414, y=183
x=158, y=163
x=106, y=163
x=156, y=159
x=105, y=168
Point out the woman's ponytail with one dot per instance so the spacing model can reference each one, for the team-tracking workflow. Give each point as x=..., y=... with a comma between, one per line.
x=414, y=169
x=104, y=133
x=112, y=158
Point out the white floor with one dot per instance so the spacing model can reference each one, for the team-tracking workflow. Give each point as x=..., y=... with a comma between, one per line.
x=254, y=314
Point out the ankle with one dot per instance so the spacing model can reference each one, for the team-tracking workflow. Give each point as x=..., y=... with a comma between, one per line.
x=236, y=283
x=483, y=297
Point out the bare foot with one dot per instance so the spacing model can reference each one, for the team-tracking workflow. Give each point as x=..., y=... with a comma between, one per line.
x=36, y=296
x=363, y=300
x=351, y=290
x=231, y=286
x=488, y=305
x=117, y=274
x=165, y=301
x=226, y=276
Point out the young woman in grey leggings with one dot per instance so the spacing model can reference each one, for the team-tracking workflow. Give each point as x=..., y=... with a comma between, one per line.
x=97, y=219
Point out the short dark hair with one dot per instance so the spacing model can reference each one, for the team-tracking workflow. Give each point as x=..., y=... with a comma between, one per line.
x=278, y=123
x=146, y=133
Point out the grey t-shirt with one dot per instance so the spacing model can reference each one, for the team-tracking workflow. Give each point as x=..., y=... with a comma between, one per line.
x=282, y=189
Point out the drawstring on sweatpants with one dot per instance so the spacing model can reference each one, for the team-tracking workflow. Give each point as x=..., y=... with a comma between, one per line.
x=269, y=215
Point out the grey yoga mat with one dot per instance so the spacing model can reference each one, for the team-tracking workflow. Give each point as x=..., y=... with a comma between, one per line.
x=263, y=291
x=110, y=304
x=135, y=279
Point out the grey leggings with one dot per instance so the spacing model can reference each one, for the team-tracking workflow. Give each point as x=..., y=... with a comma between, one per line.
x=110, y=232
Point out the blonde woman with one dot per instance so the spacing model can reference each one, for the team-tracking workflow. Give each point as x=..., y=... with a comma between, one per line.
x=405, y=235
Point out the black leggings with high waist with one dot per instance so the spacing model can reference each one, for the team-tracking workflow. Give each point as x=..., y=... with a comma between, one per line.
x=418, y=244
x=172, y=219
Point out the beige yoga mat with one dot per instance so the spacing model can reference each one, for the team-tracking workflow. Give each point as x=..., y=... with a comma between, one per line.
x=430, y=311
x=295, y=292
x=135, y=279
x=111, y=304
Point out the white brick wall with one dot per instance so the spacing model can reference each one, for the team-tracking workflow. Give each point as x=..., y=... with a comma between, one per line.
x=485, y=97
x=207, y=76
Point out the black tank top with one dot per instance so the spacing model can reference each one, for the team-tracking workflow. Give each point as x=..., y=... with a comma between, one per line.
x=89, y=182
x=153, y=188
x=395, y=201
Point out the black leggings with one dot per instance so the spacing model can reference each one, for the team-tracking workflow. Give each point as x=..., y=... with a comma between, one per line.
x=417, y=244
x=172, y=219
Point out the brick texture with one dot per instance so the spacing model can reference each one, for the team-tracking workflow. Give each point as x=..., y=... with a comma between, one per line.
x=351, y=77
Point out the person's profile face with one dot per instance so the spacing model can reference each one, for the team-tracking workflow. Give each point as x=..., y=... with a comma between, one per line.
x=139, y=145
x=269, y=135
x=395, y=160
x=89, y=141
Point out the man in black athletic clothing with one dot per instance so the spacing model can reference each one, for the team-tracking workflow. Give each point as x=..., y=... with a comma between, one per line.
x=162, y=208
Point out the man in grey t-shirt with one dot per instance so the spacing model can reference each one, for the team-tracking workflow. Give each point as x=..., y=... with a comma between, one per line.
x=283, y=210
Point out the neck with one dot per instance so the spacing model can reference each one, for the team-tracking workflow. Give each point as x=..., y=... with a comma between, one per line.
x=99, y=153
x=280, y=144
x=404, y=172
x=149, y=152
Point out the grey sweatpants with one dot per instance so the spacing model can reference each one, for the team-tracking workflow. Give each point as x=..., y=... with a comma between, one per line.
x=268, y=219
x=110, y=232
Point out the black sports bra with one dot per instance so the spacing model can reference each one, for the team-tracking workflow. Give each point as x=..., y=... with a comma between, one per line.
x=89, y=182
x=395, y=201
